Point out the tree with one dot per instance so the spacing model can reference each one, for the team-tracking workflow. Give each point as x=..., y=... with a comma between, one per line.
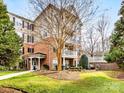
x=84, y=62
x=96, y=38
x=102, y=28
x=116, y=52
x=63, y=20
x=9, y=41
x=90, y=41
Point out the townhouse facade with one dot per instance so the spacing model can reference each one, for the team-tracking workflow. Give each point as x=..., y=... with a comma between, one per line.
x=36, y=53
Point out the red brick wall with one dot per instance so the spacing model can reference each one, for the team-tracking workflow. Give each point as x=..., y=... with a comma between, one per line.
x=26, y=46
x=42, y=47
x=45, y=49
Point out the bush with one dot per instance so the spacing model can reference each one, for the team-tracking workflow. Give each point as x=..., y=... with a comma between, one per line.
x=120, y=62
x=108, y=58
x=3, y=68
x=46, y=67
x=114, y=55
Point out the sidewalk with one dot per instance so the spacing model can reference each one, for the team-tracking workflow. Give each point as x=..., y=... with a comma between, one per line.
x=14, y=74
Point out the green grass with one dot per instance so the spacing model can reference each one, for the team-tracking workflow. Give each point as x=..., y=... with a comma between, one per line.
x=92, y=82
x=6, y=72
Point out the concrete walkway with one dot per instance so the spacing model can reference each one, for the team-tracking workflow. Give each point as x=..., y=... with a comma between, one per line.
x=14, y=74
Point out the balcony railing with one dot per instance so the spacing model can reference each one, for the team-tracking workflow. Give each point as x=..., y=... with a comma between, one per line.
x=73, y=41
x=96, y=59
x=69, y=54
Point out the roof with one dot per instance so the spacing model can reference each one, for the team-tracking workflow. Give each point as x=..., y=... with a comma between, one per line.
x=49, y=6
x=20, y=17
x=36, y=55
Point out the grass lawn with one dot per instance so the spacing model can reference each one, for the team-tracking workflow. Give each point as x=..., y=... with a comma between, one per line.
x=92, y=82
x=6, y=72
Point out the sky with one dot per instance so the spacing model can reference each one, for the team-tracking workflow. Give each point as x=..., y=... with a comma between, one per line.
x=21, y=7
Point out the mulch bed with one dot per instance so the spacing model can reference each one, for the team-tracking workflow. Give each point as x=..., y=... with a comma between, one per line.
x=63, y=75
x=9, y=90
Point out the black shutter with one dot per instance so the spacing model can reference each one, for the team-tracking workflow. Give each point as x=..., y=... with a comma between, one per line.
x=23, y=24
x=14, y=20
x=32, y=39
x=32, y=27
x=28, y=38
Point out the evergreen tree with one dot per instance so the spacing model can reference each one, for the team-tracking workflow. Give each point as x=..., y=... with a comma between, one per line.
x=116, y=53
x=9, y=40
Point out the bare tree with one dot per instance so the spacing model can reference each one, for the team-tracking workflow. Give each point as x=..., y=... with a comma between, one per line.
x=90, y=41
x=62, y=19
x=102, y=27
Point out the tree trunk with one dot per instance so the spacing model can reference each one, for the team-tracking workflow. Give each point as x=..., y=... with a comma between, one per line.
x=59, y=59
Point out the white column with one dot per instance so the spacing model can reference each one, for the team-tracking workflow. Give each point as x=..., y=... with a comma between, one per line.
x=64, y=62
x=31, y=68
x=27, y=64
x=76, y=62
x=63, y=53
x=38, y=64
x=76, y=58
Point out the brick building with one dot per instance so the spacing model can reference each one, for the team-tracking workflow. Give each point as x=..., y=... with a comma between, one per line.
x=36, y=52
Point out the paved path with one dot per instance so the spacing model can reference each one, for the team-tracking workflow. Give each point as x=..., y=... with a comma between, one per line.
x=14, y=74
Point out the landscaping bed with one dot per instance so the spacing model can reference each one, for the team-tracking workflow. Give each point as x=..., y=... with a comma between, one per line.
x=63, y=75
x=10, y=90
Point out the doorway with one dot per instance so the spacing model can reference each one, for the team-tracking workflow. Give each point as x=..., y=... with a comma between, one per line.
x=34, y=64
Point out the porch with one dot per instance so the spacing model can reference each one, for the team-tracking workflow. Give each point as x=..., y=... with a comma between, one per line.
x=66, y=63
x=35, y=61
x=69, y=62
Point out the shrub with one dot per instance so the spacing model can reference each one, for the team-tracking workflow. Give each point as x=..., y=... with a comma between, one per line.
x=3, y=68
x=46, y=67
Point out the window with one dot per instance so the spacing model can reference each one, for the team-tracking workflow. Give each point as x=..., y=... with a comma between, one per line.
x=30, y=50
x=28, y=26
x=32, y=27
x=30, y=39
x=79, y=39
x=54, y=49
x=45, y=34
